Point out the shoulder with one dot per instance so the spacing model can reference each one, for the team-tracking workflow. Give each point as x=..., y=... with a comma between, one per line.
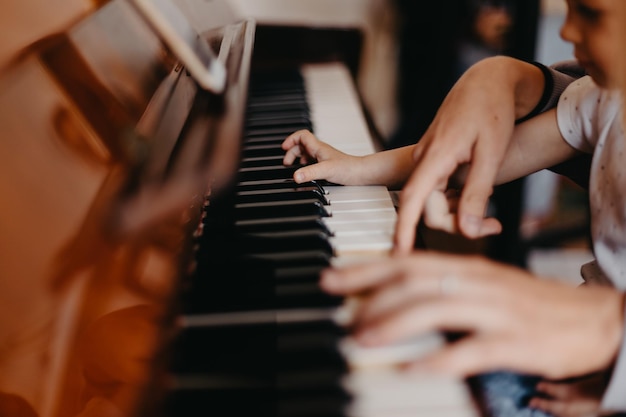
x=556, y=79
x=585, y=111
x=586, y=99
x=570, y=68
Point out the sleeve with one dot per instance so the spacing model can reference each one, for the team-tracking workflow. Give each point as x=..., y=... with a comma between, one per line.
x=614, y=399
x=557, y=77
x=577, y=114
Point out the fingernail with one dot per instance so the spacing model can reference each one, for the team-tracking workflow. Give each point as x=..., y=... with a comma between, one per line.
x=471, y=224
x=366, y=338
x=299, y=177
x=420, y=366
x=328, y=280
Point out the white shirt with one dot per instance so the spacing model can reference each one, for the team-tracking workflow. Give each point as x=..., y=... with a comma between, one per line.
x=590, y=120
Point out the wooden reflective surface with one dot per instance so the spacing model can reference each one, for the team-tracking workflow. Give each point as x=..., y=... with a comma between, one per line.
x=106, y=151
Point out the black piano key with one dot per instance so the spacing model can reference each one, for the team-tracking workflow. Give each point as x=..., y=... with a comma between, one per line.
x=273, y=184
x=262, y=249
x=275, y=140
x=263, y=264
x=305, y=273
x=292, y=364
x=295, y=223
x=235, y=350
x=266, y=172
x=302, y=193
x=252, y=243
x=275, y=92
x=312, y=298
x=271, y=77
x=287, y=106
x=289, y=208
x=253, y=296
x=259, y=348
x=215, y=400
x=261, y=161
x=281, y=94
x=314, y=405
x=265, y=149
x=294, y=258
x=273, y=120
x=255, y=280
x=238, y=397
x=283, y=130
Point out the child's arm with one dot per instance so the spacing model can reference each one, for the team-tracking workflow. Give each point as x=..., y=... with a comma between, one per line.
x=499, y=84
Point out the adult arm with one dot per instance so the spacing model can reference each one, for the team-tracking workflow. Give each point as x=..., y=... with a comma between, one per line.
x=475, y=124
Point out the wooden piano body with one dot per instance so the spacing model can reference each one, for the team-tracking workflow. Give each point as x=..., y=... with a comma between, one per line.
x=111, y=155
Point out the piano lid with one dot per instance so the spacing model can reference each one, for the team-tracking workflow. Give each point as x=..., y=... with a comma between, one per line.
x=108, y=149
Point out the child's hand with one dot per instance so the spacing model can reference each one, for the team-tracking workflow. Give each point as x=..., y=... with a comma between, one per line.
x=326, y=162
x=577, y=398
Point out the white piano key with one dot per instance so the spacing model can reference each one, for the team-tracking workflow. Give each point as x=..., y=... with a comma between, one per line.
x=357, y=216
x=389, y=391
x=369, y=226
x=335, y=108
x=358, y=206
x=364, y=243
x=357, y=193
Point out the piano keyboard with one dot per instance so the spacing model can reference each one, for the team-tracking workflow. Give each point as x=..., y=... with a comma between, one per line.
x=378, y=389
x=263, y=339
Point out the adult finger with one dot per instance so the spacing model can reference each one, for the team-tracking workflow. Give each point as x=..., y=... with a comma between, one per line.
x=402, y=293
x=478, y=188
x=425, y=265
x=489, y=226
x=360, y=277
x=436, y=314
x=430, y=174
x=439, y=212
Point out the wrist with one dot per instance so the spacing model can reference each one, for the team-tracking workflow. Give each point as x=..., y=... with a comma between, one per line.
x=523, y=81
x=529, y=89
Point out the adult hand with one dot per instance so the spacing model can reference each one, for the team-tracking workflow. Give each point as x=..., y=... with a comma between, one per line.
x=472, y=129
x=511, y=320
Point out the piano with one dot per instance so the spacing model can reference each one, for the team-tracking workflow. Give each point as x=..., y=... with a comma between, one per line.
x=157, y=260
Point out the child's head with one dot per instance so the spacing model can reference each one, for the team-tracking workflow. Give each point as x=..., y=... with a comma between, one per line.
x=594, y=27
